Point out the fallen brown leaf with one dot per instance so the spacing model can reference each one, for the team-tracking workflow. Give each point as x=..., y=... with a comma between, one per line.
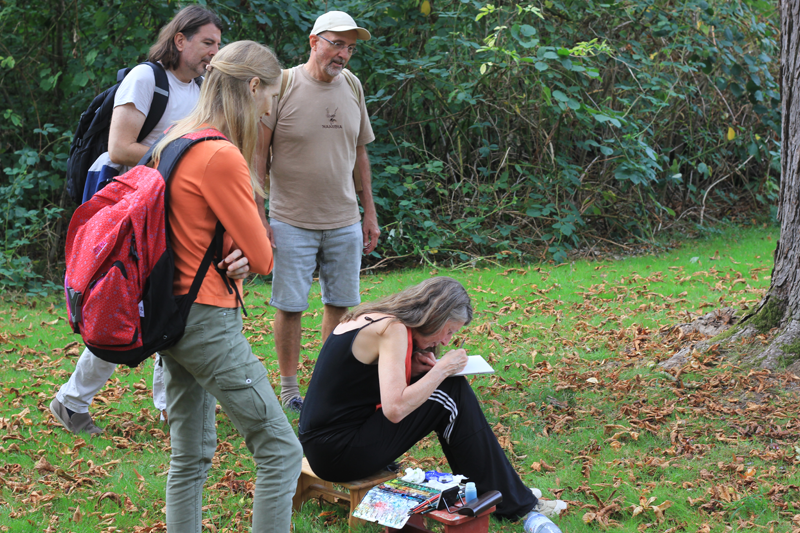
x=42, y=465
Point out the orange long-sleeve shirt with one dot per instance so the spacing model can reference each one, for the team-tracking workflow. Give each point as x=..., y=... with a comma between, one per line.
x=210, y=183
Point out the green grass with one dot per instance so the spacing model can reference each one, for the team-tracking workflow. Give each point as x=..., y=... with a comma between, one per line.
x=577, y=400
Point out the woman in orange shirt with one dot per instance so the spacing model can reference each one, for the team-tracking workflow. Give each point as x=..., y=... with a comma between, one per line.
x=215, y=181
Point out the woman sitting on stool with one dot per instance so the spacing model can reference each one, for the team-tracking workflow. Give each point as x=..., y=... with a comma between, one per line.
x=377, y=390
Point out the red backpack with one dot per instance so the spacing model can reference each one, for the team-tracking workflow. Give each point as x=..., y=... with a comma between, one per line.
x=120, y=266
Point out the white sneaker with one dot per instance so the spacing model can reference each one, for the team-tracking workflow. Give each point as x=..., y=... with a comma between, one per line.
x=550, y=508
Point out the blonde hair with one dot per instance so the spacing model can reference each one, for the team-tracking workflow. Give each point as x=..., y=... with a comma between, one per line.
x=425, y=307
x=226, y=102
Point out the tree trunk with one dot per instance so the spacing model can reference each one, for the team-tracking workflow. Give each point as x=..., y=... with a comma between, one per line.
x=786, y=275
x=780, y=308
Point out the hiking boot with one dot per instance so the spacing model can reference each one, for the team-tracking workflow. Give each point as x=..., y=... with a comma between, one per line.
x=294, y=405
x=75, y=423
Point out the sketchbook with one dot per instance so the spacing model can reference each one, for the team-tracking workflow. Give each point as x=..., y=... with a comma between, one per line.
x=476, y=365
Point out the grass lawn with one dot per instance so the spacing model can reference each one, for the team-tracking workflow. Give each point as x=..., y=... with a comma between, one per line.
x=577, y=400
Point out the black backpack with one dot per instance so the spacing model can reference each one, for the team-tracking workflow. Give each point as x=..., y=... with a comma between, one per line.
x=91, y=136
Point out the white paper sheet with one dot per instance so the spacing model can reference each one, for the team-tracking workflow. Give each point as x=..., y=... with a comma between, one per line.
x=476, y=365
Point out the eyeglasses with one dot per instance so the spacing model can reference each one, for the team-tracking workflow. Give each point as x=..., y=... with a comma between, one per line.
x=339, y=46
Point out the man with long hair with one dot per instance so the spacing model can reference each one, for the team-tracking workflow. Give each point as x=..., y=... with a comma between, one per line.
x=184, y=47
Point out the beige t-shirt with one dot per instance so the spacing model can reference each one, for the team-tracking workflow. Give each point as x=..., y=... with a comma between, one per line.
x=315, y=131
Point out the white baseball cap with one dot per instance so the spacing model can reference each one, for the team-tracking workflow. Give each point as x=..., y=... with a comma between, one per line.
x=338, y=21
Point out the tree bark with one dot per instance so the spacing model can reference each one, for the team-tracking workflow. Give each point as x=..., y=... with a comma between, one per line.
x=786, y=275
x=780, y=308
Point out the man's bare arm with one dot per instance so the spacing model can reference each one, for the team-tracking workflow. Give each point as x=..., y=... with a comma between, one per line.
x=262, y=153
x=261, y=159
x=369, y=226
x=126, y=123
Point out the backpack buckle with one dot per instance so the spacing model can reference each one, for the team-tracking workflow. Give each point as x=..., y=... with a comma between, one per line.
x=75, y=299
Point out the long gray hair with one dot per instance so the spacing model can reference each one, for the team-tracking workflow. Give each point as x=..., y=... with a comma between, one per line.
x=425, y=307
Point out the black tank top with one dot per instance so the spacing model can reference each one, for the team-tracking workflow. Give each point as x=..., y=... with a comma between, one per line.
x=343, y=392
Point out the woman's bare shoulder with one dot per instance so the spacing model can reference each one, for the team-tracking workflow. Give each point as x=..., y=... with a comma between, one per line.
x=375, y=336
x=393, y=329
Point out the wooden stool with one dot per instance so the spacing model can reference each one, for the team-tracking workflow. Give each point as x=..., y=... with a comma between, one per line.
x=310, y=486
x=453, y=523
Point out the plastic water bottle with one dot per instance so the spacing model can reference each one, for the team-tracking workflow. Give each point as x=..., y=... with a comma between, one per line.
x=539, y=523
x=470, y=492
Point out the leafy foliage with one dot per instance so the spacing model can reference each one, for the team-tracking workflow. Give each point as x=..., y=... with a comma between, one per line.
x=503, y=129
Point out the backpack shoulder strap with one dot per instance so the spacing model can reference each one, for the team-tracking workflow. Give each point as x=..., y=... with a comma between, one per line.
x=173, y=153
x=355, y=86
x=287, y=75
x=170, y=157
x=353, y=82
x=160, y=99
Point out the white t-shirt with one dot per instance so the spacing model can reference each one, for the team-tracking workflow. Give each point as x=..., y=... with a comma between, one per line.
x=138, y=87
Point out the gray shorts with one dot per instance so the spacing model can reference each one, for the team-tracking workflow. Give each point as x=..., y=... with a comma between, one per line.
x=296, y=254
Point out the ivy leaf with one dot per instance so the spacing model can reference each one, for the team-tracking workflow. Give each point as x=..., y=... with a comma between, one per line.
x=560, y=96
x=81, y=79
x=599, y=117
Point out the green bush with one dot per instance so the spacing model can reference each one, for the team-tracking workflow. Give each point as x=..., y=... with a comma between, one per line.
x=503, y=129
x=513, y=129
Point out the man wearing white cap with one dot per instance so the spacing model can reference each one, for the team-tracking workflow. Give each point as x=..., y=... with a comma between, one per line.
x=318, y=135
